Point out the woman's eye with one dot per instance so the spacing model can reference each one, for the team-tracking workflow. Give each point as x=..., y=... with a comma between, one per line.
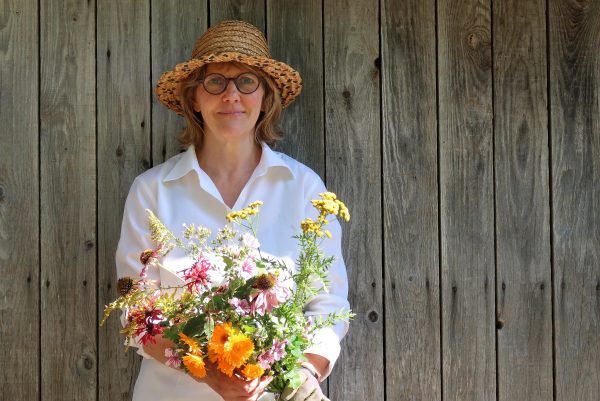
x=215, y=81
x=246, y=80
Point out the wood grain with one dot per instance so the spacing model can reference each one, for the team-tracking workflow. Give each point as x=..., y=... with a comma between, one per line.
x=574, y=67
x=410, y=193
x=524, y=305
x=176, y=25
x=123, y=73
x=19, y=201
x=296, y=38
x=252, y=11
x=466, y=201
x=353, y=171
x=68, y=201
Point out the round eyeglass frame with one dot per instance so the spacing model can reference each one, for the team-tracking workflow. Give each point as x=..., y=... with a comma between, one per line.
x=235, y=82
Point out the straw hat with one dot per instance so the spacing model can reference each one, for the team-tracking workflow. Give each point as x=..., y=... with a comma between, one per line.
x=230, y=41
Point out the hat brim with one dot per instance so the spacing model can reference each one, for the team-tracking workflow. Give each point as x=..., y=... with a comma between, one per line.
x=285, y=77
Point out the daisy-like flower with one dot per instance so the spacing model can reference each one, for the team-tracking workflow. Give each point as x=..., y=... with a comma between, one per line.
x=252, y=371
x=195, y=365
x=217, y=342
x=268, y=293
x=237, y=349
x=193, y=344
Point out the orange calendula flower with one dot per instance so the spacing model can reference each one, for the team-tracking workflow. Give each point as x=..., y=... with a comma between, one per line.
x=195, y=365
x=252, y=371
x=238, y=349
x=225, y=367
x=218, y=340
x=190, y=342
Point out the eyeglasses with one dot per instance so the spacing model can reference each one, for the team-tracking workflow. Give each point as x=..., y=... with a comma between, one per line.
x=246, y=83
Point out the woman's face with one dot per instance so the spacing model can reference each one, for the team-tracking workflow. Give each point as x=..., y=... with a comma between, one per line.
x=231, y=115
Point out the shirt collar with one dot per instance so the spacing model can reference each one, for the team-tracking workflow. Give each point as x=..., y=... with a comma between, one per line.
x=188, y=162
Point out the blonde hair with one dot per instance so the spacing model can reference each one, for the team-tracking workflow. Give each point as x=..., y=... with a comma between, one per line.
x=267, y=126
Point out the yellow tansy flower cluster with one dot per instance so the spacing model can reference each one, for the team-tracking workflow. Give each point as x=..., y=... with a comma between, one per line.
x=246, y=212
x=229, y=348
x=328, y=204
x=193, y=360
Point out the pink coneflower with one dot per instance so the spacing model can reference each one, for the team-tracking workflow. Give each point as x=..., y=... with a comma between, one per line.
x=268, y=294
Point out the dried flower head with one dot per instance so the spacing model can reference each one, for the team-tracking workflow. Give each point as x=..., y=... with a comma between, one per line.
x=125, y=285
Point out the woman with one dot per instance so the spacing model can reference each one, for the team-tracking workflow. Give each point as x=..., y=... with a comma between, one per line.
x=231, y=94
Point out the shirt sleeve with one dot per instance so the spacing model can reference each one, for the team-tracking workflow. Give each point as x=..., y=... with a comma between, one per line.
x=135, y=238
x=327, y=340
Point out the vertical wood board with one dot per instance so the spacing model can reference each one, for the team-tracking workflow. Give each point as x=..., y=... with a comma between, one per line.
x=176, y=25
x=252, y=11
x=466, y=200
x=353, y=171
x=524, y=305
x=19, y=201
x=123, y=82
x=296, y=38
x=574, y=67
x=68, y=201
x=410, y=192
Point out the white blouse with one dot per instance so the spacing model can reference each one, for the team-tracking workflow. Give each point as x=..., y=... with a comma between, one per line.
x=179, y=191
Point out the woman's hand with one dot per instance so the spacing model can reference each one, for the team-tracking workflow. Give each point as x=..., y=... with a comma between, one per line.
x=157, y=351
x=229, y=388
x=309, y=390
x=233, y=388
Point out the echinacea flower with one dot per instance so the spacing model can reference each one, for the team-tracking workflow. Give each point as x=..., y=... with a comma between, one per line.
x=268, y=293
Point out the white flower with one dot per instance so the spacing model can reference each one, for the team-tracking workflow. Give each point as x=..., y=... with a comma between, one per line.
x=250, y=241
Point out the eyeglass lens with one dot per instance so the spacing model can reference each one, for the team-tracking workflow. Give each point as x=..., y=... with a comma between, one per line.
x=216, y=84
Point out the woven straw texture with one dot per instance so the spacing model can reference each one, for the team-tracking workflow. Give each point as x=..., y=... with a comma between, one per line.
x=229, y=41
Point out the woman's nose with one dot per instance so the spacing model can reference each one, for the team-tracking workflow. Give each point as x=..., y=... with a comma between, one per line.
x=231, y=91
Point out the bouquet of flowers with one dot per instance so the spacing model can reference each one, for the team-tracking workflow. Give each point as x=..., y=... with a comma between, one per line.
x=238, y=309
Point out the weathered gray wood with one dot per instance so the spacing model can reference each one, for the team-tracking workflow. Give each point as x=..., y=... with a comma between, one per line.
x=252, y=11
x=19, y=201
x=524, y=304
x=466, y=201
x=296, y=38
x=353, y=171
x=412, y=310
x=123, y=152
x=575, y=127
x=68, y=201
x=176, y=25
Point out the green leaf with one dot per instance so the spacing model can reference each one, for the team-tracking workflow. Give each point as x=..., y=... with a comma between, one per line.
x=194, y=325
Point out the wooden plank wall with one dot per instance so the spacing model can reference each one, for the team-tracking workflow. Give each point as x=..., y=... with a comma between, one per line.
x=464, y=135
